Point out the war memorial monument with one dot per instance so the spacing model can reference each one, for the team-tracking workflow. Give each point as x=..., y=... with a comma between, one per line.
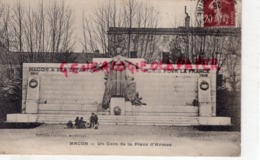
x=181, y=95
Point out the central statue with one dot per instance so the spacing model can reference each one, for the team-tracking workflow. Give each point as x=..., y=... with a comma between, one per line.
x=119, y=84
x=115, y=80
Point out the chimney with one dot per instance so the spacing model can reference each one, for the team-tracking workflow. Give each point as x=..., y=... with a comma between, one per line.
x=187, y=19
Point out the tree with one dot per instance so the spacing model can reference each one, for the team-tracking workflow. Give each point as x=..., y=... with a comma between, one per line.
x=95, y=29
x=37, y=28
x=59, y=17
x=18, y=26
x=132, y=14
x=5, y=38
x=10, y=85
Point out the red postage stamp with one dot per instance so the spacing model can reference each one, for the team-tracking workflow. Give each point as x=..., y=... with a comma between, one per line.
x=219, y=13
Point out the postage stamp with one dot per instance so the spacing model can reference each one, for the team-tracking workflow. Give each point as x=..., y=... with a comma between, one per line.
x=219, y=13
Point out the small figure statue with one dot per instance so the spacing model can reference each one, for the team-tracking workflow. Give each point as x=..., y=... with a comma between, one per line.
x=137, y=100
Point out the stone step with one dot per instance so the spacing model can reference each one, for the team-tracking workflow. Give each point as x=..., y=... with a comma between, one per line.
x=124, y=120
x=113, y=116
x=118, y=118
x=66, y=112
x=127, y=114
x=163, y=109
x=130, y=110
x=142, y=124
x=139, y=123
x=163, y=114
x=153, y=124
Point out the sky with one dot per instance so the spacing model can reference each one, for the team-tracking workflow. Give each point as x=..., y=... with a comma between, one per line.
x=171, y=11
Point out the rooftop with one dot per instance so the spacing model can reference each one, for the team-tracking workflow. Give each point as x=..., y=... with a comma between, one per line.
x=17, y=58
x=176, y=31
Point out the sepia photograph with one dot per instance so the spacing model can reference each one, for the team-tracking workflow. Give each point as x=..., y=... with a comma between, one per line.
x=121, y=77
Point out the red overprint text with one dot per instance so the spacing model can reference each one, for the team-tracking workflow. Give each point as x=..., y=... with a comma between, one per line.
x=142, y=66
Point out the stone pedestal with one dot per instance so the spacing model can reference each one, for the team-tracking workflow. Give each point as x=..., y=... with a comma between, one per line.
x=128, y=108
x=32, y=95
x=205, y=109
x=22, y=118
x=214, y=121
x=117, y=102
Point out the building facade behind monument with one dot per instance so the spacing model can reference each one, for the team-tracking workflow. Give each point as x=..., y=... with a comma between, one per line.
x=185, y=43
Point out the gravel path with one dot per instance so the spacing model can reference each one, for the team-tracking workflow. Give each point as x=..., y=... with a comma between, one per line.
x=120, y=140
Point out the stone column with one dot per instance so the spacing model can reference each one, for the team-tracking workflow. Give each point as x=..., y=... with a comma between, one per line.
x=32, y=96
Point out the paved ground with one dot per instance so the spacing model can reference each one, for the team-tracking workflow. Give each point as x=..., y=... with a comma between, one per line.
x=120, y=140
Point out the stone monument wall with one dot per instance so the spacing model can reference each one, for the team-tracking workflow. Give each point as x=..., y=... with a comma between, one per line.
x=173, y=88
x=76, y=92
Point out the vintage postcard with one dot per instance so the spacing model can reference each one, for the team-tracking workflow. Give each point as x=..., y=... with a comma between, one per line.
x=120, y=77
